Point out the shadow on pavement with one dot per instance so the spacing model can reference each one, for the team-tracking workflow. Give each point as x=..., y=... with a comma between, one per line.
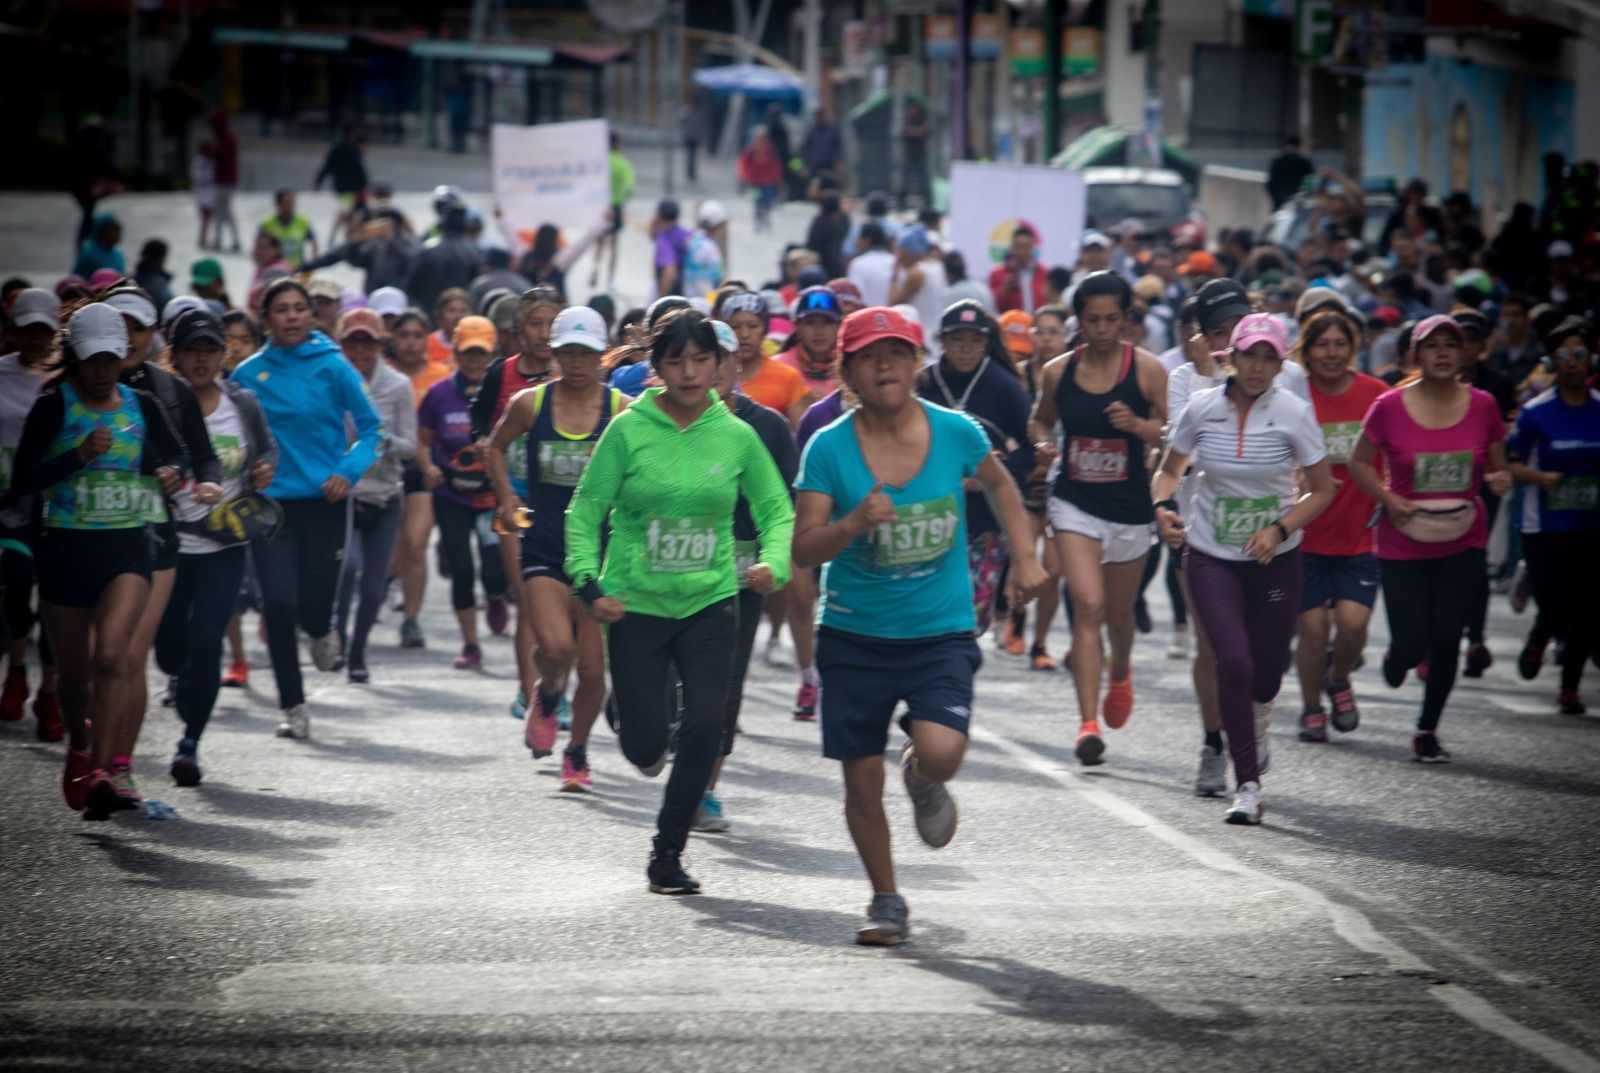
x=148, y=868
x=268, y=806
x=1342, y=832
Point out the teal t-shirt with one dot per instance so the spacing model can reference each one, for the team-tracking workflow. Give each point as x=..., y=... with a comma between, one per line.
x=908, y=579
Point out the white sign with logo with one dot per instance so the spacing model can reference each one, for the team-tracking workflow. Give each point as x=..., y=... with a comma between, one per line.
x=555, y=173
x=989, y=201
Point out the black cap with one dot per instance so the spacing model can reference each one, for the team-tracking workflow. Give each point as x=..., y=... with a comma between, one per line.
x=193, y=326
x=1218, y=300
x=1189, y=310
x=667, y=208
x=966, y=314
x=1471, y=320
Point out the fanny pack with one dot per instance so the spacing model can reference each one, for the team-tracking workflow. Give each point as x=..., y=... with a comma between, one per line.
x=239, y=520
x=1439, y=521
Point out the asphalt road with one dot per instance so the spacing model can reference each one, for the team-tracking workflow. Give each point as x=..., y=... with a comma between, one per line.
x=409, y=891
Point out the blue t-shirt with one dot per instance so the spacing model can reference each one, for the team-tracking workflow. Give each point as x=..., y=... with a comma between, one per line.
x=908, y=579
x=630, y=378
x=1557, y=438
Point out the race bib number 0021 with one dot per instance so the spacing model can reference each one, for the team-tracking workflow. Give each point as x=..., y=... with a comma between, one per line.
x=1096, y=461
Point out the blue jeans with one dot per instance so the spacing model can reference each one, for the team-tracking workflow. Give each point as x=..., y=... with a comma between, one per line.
x=366, y=558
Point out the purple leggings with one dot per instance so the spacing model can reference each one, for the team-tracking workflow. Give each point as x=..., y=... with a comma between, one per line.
x=1248, y=612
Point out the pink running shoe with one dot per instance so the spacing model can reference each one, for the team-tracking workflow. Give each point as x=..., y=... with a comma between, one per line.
x=539, y=732
x=471, y=658
x=805, y=702
x=574, y=779
x=498, y=615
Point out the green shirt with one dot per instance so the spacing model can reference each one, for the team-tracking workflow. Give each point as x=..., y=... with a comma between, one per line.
x=622, y=179
x=669, y=494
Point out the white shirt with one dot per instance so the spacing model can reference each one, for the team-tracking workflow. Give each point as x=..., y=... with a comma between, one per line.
x=1185, y=380
x=929, y=302
x=19, y=390
x=225, y=428
x=871, y=272
x=1243, y=477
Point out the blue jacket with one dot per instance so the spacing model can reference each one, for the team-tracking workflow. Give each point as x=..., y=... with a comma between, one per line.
x=307, y=392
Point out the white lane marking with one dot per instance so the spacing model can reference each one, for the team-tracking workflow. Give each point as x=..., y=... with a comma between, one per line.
x=1349, y=923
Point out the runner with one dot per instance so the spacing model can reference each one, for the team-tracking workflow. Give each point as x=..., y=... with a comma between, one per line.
x=881, y=494
x=308, y=392
x=1242, y=552
x=408, y=355
x=553, y=428
x=453, y=304
x=630, y=379
x=668, y=474
x=1341, y=574
x=1110, y=399
x=35, y=320
x=1556, y=449
x=211, y=562
x=376, y=500
x=243, y=337
x=96, y=449
x=768, y=382
x=463, y=500
x=1440, y=440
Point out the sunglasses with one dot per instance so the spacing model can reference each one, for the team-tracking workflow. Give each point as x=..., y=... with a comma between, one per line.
x=816, y=303
x=1579, y=353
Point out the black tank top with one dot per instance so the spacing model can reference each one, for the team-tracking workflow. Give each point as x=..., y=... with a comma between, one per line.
x=1102, y=470
x=555, y=462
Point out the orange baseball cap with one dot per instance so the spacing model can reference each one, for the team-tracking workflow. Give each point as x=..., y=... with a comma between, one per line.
x=1014, y=327
x=1200, y=262
x=476, y=333
x=361, y=322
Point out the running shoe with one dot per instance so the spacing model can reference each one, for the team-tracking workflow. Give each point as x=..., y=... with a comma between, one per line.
x=575, y=777
x=1178, y=646
x=14, y=698
x=1212, y=778
x=888, y=922
x=325, y=651
x=1249, y=804
x=1570, y=703
x=1314, y=725
x=185, y=769
x=1393, y=673
x=75, y=779
x=1011, y=639
x=1091, y=747
x=1039, y=660
x=519, y=707
x=48, y=725
x=128, y=795
x=355, y=666
x=1117, y=704
x=1479, y=659
x=776, y=655
x=1263, y=716
x=563, y=713
x=1422, y=671
x=708, y=817
x=935, y=809
x=296, y=723
x=658, y=767
x=471, y=658
x=411, y=635
x=1425, y=744
x=1141, y=616
x=1531, y=659
x=539, y=732
x=1346, y=716
x=100, y=799
x=497, y=615
x=805, y=703
x=238, y=676
x=667, y=876
x=1521, y=589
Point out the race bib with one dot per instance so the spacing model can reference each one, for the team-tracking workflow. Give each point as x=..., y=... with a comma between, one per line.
x=922, y=533
x=1237, y=520
x=1096, y=461
x=1575, y=493
x=230, y=452
x=1445, y=471
x=681, y=545
x=562, y=463
x=1339, y=437
x=517, y=460
x=111, y=499
x=745, y=554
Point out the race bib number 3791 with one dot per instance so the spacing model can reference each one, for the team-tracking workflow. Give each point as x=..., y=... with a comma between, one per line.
x=922, y=533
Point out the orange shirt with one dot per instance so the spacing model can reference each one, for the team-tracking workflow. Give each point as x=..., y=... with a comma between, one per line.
x=431, y=374
x=776, y=386
x=440, y=350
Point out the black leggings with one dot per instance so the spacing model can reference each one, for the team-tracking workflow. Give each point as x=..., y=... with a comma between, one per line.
x=457, y=526
x=1565, y=574
x=299, y=576
x=189, y=640
x=17, y=617
x=749, y=613
x=644, y=649
x=1180, y=610
x=1429, y=603
x=366, y=561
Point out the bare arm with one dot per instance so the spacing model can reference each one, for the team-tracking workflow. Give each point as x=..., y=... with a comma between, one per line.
x=817, y=540
x=514, y=424
x=1042, y=422
x=1027, y=577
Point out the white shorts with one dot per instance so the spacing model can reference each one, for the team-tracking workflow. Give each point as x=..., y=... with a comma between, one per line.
x=1118, y=543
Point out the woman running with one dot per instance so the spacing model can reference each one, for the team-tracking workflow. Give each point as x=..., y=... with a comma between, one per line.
x=243, y=338
x=308, y=392
x=1555, y=448
x=211, y=563
x=1341, y=574
x=35, y=320
x=553, y=428
x=1440, y=440
x=1242, y=555
x=463, y=500
x=667, y=475
x=376, y=500
x=101, y=455
x=1110, y=399
x=453, y=304
x=882, y=502
x=766, y=381
x=408, y=355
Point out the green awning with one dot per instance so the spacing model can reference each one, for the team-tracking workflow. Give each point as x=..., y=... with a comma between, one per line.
x=519, y=55
x=306, y=40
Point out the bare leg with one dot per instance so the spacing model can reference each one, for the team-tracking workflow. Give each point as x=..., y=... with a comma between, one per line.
x=1311, y=654
x=70, y=631
x=522, y=639
x=591, y=692
x=802, y=613
x=1080, y=559
x=869, y=824
x=1122, y=582
x=1044, y=614
x=1352, y=619
x=411, y=553
x=236, y=639
x=139, y=643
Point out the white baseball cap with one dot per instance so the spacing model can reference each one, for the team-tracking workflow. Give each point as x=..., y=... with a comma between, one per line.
x=36, y=306
x=725, y=336
x=178, y=305
x=578, y=326
x=98, y=329
x=712, y=214
x=1093, y=238
x=388, y=301
x=137, y=306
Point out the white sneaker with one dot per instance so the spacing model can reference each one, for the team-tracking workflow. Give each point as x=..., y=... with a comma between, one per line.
x=1263, y=714
x=1178, y=647
x=296, y=723
x=1249, y=805
x=776, y=655
x=325, y=650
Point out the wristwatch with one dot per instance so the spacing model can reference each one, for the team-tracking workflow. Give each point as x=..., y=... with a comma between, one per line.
x=1168, y=504
x=1283, y=534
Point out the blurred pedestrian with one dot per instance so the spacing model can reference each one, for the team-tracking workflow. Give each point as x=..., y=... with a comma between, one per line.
x=703, y=268
x=151, y=272
x=821, y=154
x=1018, y=281
x=99, y=250
x=203, y=185
x=207, y=281
x=622, y=185
x=94, y=175
x=914, y=132
x=827, y=233
x=497, y=274
x=348, y=170
x=761, y=169
x=691, y=131
x=451, y=260
x=225, y=162
x=267, y=253
x=297, y=240
x=958, y=285
x=672, y=243
x=919, y=281
x=383, y=247
x=872, y=269
x=1288, y=172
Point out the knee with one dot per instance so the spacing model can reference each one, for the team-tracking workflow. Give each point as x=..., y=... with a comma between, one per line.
x=1233, y=668
x=1088, y=612
x=938, y=766
x=555, y=651
x=591, y=670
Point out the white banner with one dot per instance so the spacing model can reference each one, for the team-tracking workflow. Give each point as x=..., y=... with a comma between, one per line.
x=554, y=173
x=988, y=201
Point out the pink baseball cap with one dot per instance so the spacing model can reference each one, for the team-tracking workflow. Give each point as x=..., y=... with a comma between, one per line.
x=1437, y=322
x=1260, y=328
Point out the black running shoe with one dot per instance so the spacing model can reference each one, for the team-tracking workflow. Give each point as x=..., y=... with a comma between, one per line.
x=1425, y=744
x=1531, y=659
x=1479, y=659
x=667, y=876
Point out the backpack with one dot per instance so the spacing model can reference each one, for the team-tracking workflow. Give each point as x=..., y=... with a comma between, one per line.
x=700, y=266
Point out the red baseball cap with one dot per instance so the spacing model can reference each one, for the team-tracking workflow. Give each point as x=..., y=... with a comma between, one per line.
x=866, y=326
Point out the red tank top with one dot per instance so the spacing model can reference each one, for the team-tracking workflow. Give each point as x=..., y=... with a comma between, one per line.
x=512, y=381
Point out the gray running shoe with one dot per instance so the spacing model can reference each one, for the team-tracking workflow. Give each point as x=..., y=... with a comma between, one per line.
x=296, y=723
x=1263, y=713
x=888, y=922
x=411, y=635
x=934, y=807
x=325, y=651
x=1212, y=779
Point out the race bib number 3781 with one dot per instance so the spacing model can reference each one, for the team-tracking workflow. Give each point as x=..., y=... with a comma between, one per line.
x=681, y=545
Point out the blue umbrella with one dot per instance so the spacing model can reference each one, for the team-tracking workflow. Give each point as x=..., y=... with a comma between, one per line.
x=751, y=79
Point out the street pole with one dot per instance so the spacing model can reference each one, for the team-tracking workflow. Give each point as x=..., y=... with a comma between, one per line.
x=670, y=30
x=958, y=107
x=1152, y=82
x=813, y=51
x=1052, y=78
